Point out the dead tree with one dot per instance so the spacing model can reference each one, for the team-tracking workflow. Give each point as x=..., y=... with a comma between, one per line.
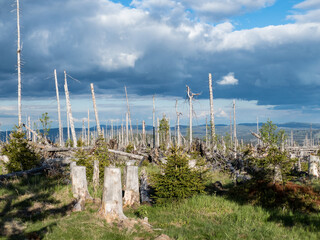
x=88, y=128
x=178, y=134
x=143, y=133
x=154, y=123
x=131, y=132
x=213, y=131
x=95, y=178
x=73, y=132
x=234, y=126
x=190, y=96
x=19, y=64
x=59, y=113
x=95, y=110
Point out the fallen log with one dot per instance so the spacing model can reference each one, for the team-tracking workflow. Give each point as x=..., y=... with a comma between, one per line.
x=24, y=173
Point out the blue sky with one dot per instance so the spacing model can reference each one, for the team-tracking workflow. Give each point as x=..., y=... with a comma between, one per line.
x=263, y=53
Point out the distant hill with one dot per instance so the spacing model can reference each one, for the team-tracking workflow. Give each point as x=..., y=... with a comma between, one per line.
x=299, y=131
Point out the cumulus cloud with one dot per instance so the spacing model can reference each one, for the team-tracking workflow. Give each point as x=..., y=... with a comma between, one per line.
x=204, y=9
x=151, y=50
x=229, y=79
x=309, y=11
x=221, y=113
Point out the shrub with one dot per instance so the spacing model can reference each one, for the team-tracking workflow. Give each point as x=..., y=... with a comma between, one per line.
x=177, y=180
x=289, y=196
x=86, y=159
x=21, y=154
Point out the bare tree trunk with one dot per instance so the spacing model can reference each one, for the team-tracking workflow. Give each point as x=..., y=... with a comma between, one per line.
x=144, y=132
x=19, y=64
x=154, y=122
x=213, y=130
x=59, y=112
x=131, y=132
x=73, y=132
x=68, y=125
x=158, y=134
x=95, y=109
x=234, y=126
x=95, y=178
x=190, y=95
x=29, y=125
x=127, y=129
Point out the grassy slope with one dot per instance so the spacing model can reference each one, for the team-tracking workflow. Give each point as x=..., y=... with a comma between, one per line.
x=41, y=207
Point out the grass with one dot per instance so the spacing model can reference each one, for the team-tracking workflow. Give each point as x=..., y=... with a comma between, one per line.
x=41, y=207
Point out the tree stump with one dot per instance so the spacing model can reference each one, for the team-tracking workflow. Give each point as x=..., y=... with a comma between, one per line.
x=131, y=195
x=313, y=166
x=79, y=186
x=95, y=178
x=111, y=206
x=144, y=187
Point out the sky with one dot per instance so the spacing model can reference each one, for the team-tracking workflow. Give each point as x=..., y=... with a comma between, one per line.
x=265, y=54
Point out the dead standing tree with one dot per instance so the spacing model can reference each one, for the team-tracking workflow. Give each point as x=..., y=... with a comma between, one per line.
x=131, y=133
x=73, y=132
x=19, y=64
x=59, y=113
x=178, y=134
x=95, y=110
x=213, y=131
x=190, y=96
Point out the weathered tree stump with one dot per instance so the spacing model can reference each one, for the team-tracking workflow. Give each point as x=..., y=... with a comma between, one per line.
x=79, y=186
x=95, y=178
x=111, y=206
x=313, y=166
x=131, y=195
x=144, y=187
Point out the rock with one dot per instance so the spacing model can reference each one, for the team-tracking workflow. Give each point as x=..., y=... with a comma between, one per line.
x=162, y=237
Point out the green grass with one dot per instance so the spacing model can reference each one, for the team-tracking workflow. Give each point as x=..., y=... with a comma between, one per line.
x=40, y=206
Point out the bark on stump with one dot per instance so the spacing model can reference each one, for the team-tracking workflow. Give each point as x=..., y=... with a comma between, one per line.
x=131, y=195
x=79, y=186
x=111, y=206
x=313, y=166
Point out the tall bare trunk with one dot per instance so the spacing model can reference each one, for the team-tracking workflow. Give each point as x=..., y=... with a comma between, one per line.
x=88, y=128
x=154, y=123
x=95, y=109
x=127, y=129
x=234, y=126
x=131, y=132
x=59, y=112
x=19, y=64
x=213, y=130
x=73, y=132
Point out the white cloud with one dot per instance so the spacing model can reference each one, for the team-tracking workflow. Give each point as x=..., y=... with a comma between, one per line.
x=204, y=9
x=310, y=13
x=221, y=113
x=308, y=4
x=229, y=79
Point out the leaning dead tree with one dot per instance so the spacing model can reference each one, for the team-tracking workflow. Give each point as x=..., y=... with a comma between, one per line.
x=59, y=113
x=95, y=110
x=154, y=123
x=69, y=112
x=190, y=96
x=19, y=64
x=213, y=132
